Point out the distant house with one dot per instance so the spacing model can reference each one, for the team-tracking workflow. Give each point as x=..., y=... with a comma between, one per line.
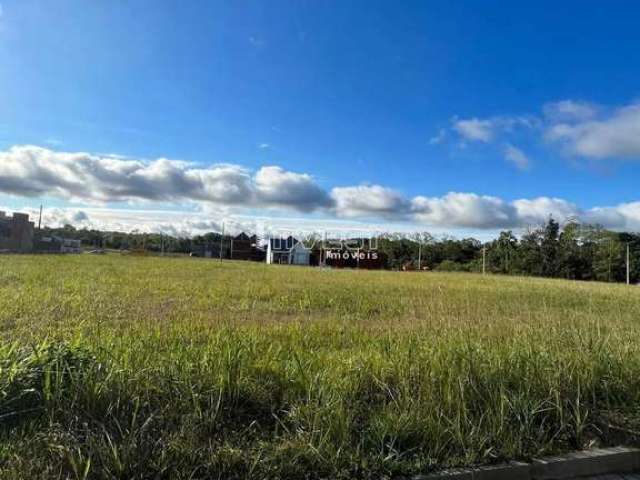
x=299, y=254
x=287, y=251
x=56, y=244
x=240, y=247
x=16, y=233
x=70, y=245
x=244, y=247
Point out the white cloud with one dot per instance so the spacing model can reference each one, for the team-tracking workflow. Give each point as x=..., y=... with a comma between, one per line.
x=277, y=187
x=487, y=129
x=34, y=171
x=538, y=210
x=625, y=216
x=176, y=223
x=367, y=200
x=439, y=137
x=569, y=110
x=222, y=190
x=581, y=128
x=475, y=129
x=464, y=210
x=468, y=210
x=59, y=217
x=517, y=157
x=452, y=213
x=618, y=217
x=616, y=136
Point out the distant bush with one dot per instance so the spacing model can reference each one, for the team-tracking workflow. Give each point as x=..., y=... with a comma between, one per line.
x=451, y=266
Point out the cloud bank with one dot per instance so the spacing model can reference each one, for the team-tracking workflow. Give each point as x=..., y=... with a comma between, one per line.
x=29, y=171
x=35, y=171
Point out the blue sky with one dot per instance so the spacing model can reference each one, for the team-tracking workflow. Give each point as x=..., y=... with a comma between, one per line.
x=431, y=115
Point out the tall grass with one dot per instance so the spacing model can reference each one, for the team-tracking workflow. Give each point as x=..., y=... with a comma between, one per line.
x=117, y=368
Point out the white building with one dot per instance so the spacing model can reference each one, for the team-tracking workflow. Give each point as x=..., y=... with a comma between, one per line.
x=287, y=251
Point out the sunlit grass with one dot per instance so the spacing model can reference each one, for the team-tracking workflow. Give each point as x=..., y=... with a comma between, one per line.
x=124, y=367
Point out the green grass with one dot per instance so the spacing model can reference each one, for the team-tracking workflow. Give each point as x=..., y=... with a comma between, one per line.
x=121, y=367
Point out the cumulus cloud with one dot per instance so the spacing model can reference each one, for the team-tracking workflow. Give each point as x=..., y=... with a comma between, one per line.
x=170, y=222
x=539, y=210
x=369, y=200
x=475, y=129
x=448, y=213
x=457, y=210
x=517, y=157
x=569, y=110
x=59, y=217
x=34, y=171
x=278, y=187
x=222, y=189
x=469, y=210
x=615, y=136
x=617, y=218
x=464, y=210
x=579, y=128
x=486, y=130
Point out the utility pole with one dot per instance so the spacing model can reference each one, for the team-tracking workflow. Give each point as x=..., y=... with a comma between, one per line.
x=628, y=265
x=221, y=239
x=484, y=260
x=40, y=218
x=420, y=256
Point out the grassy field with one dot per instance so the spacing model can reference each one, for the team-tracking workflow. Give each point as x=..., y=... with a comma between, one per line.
x=121, y=367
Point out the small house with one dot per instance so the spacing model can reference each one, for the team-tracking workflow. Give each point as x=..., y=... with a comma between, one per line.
x=287, y=251
x=56, y=244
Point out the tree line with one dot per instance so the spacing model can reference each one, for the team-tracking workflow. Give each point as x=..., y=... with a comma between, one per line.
x=575, y=251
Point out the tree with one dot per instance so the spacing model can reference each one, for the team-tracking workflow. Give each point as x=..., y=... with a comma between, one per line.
x=549, y=248
x=423, y=239
x=531, y=252
x=502, y=254
x=608, y=257
x=572, y=264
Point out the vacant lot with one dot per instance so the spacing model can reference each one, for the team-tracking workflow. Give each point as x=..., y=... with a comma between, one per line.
x=124, y=367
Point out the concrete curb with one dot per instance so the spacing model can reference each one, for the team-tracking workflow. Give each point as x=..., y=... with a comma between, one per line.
x=599, y=461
